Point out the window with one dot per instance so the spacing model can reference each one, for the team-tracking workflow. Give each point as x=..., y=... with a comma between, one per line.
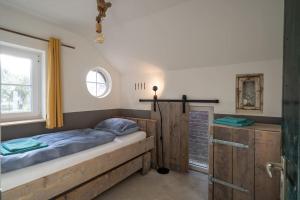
x=98, y=82
x=20, y=82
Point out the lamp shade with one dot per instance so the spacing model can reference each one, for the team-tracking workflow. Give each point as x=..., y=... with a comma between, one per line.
x=100, y=38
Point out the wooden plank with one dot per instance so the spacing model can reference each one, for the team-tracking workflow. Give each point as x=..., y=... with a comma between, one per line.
x=59, y=182
x=155, y=116
x=267, y=127
x=136, y=119
x=222, y=164
x=152, y=131
x=267, y=147
x=211, y=165
x=142, y=124
x=100, y=184
x=257, y=126
x=175, y=136
x=165, y=109
x=184, y=140
x=164, y=106
x=150, y=126
x=146, y=163
x=243, y=163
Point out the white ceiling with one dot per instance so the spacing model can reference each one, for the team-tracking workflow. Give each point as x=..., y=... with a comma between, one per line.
x=172, y=34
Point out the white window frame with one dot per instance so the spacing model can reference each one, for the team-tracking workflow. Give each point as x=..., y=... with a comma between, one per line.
x=108, y=81
x=37, y=104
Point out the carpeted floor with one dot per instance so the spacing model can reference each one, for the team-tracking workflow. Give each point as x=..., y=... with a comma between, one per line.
x=153, y=186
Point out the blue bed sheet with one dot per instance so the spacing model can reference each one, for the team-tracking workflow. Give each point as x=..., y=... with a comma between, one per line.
x=59, y=144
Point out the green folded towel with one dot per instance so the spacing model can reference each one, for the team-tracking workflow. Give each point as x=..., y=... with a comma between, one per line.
x=233, y=121
x=248, y=123
x=20, y=144
x=6, y=152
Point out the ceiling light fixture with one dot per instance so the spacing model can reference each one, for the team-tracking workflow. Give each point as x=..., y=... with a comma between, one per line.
x=102, y=7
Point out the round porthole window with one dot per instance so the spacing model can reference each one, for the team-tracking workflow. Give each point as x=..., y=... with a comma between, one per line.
x=98, y=82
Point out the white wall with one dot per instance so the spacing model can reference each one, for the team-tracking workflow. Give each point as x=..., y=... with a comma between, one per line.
x=176, y=34
x=75, y=63
x=196, y=48
x=205, y=83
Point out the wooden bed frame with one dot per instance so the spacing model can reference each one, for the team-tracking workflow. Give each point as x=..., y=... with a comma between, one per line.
x=90, y=178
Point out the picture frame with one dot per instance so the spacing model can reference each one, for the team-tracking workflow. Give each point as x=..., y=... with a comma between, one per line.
x=249, y=93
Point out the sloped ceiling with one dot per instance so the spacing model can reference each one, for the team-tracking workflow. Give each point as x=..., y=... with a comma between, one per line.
x=156, y=35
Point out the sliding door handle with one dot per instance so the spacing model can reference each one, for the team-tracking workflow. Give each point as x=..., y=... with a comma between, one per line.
x=270, y=166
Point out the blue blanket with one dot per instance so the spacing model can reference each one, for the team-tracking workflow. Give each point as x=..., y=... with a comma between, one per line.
x=59, y=144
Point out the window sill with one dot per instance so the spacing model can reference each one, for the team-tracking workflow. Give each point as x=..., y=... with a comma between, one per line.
x=22, y=122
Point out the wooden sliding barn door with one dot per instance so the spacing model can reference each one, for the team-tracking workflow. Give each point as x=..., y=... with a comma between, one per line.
x=175, y=132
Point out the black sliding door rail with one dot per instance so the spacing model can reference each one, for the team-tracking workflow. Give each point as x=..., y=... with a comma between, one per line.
x=180, y=100
x=184, y=100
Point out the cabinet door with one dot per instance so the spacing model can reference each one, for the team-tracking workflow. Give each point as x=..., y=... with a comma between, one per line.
x=232, y=164
x=222, y=164
x=243, y=164
x=267, y=149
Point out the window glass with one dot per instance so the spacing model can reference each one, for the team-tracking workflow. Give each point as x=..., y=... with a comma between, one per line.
x=16, y=87
x=20, y=84
x=98, y=82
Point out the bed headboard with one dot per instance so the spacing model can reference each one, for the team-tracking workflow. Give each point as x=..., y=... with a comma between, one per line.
x=150, y=127
x=147, y=125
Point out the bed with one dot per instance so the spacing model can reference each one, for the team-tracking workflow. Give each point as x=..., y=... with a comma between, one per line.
x=85, y=174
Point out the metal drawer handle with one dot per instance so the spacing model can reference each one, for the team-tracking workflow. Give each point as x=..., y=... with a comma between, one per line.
x=235, y=187
x=234, y=144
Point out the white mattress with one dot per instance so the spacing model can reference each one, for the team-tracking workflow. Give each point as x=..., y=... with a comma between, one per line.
x=19, y=177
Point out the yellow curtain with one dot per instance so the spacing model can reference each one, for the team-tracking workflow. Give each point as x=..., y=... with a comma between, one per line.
x=54, y=116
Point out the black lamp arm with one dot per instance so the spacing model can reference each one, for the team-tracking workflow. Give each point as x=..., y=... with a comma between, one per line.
x=184, y=98
x=154, y=102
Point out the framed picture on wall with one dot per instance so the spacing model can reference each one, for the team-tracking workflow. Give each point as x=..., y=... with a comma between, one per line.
x=249, y=93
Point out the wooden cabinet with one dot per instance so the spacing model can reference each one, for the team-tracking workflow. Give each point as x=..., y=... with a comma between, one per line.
x=267, y=149
x=237, y=159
